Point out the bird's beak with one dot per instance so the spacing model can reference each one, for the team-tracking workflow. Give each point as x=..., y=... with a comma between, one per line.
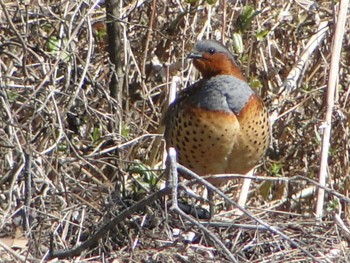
x=195, y=55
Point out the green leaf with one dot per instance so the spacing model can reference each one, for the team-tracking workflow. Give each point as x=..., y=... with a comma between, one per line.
x=148, y=178
x=125, y=132
x=255, y=83
x=261, y=35
x=211, y=2
x=62, y=147
x=12, y=96
x=244, y=21
x=333, y=205
x=101, y=33
x=276, y=169
x=96, y=134
x=238, y=43
x=53, y=44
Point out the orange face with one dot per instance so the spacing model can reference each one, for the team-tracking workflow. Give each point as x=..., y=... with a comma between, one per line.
x=218, y=63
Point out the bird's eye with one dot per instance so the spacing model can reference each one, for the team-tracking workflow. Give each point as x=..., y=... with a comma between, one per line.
x=211, y=51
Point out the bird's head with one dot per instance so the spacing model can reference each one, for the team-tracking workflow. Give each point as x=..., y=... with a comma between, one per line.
x=212, y=58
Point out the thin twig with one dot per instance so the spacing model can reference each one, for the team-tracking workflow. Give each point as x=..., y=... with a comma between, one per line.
x=227, y=177
x=223, y=30
x=246, y=212
x=174, y=207
x=13, y=252
x=295, y=75
x=148, y=39
x=61, y=55
x=28, y=187
x=21, y=40
x=76, y=251
x=331, y=90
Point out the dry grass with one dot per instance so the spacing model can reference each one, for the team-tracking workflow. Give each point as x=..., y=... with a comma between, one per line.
x=67, y=166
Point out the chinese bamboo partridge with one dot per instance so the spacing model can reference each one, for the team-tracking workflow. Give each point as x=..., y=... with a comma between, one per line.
x=219, y=124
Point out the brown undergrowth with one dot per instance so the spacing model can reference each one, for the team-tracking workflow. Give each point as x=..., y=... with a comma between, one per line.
x=67, y=166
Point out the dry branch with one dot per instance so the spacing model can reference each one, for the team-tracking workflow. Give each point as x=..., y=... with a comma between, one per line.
x=331, y=94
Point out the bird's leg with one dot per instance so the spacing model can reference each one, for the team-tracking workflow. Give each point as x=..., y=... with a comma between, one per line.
x=243, y=194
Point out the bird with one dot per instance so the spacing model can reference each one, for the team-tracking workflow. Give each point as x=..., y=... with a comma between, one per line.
x=219, y=124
